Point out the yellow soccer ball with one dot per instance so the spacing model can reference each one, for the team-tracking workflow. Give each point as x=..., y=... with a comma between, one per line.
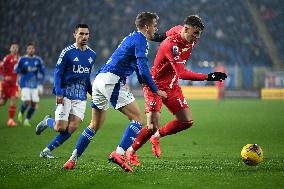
x=252, y=154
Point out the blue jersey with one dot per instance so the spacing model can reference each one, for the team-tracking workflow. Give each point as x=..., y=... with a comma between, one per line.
x=72, y=73
x=31, y=70
x=130, y=56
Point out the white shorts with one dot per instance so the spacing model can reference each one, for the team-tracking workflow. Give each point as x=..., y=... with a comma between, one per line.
x=29, y=94
x=107, y=89
x=75, y=107
x=40, y=89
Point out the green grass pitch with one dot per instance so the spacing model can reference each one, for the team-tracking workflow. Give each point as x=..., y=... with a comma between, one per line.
x=205, y=156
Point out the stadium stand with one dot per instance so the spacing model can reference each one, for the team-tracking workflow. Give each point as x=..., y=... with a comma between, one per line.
x=229, y=35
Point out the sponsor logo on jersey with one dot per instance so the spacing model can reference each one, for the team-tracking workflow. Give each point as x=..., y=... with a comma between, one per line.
x=185, y=49
x=80, y=69
x=175, y=51
x=76, y=59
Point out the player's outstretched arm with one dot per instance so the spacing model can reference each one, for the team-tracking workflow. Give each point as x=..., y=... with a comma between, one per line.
x=185, y=74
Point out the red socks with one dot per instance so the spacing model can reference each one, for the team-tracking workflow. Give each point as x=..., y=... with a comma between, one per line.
x=144, y=135
x=174, y=126
x=12, y=111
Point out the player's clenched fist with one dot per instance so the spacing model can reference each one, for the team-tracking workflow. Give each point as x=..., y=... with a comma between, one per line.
x=216, y=76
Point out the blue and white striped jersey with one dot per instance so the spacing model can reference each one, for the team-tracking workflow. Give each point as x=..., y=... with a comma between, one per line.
x=72, y=73
x=30, y=68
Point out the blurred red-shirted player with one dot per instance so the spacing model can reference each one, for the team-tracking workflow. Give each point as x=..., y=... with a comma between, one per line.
x=169, y=67
x=219, y=84
x=9, y=83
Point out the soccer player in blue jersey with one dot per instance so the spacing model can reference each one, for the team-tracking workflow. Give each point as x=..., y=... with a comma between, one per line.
x=71, y=84
x=109, y=89
x=29, y=67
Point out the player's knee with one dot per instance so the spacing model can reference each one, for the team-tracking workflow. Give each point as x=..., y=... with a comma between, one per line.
x=2, y=102
x=186, y=124
x=34, y=105
x=59, y=128
x=72, y=128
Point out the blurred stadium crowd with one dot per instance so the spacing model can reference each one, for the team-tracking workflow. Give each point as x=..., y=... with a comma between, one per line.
x=230, y=35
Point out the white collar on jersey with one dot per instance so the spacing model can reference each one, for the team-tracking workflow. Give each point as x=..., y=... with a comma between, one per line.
x=75, y=45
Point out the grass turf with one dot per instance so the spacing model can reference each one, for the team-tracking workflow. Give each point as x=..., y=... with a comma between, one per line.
x=205, y=156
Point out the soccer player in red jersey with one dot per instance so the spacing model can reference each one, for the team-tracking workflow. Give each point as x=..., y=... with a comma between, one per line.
x=9, y=84
x=169, y=67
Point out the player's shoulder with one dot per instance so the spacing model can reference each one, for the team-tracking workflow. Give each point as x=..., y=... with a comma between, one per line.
x=8, y=57
x=91, y=50
x=38, y=57
x=22, y=58
x=139, y=37
x=67, y=49
x=174, y=30
x=170, y=41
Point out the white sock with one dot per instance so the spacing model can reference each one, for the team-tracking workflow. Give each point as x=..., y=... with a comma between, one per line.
x=74, y=155
x=130, y=149
x=120, y=150
x=46, y=150
x=157, y=134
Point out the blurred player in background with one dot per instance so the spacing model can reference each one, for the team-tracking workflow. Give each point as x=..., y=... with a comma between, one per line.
x=9, y=87
x=29, y=66
x=219, y=84
x=169, y=67
x=109, y=89
x=71, y=84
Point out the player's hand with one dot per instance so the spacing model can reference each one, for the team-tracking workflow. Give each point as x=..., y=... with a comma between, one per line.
x=216, y=76
x=162, y=94
x=59, y=100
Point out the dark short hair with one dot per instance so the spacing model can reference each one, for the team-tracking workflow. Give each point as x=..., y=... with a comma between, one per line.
x=30, y=44
x=81, y=26
x=14, y=43
x=195, y=21
x=145, y=18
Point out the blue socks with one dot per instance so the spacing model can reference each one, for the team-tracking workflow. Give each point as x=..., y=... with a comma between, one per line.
x=58, y=140
x=23, y=107
x=84, y=141
x=130, y=134
x=50, y=123
x=30, y=112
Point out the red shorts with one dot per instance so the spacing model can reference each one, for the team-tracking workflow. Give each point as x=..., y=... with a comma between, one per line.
x=8, y=90
x=175, y=100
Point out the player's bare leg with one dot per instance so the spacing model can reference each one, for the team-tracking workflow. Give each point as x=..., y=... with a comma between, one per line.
x=153, y=123
x=132, y=111
x=98, y=117
x=65, y=129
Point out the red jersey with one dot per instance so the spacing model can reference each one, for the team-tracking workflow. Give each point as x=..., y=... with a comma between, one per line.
x=7, y=69
x=169, y=64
